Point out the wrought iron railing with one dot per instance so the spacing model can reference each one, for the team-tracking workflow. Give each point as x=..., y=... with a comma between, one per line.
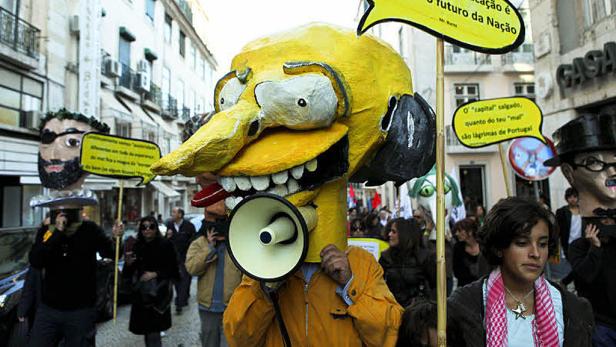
x=171, y=108
x=459, y=56
x=19, y=34
x=185, y=113
x=155, y=95
x=518, y=58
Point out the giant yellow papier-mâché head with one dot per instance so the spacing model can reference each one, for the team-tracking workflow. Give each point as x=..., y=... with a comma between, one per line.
x=304, y=111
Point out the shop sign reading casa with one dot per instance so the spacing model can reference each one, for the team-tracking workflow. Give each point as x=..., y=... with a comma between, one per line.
x=594, y=64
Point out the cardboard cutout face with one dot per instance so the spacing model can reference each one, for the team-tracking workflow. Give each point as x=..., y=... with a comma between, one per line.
x=59, y=151
x=594, y=178
x=297, y=115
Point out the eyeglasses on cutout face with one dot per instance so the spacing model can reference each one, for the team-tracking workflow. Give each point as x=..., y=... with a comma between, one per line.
x=48, y=136
x=593, y=164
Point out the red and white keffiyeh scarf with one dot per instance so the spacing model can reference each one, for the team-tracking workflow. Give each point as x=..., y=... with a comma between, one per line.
x=545, y=332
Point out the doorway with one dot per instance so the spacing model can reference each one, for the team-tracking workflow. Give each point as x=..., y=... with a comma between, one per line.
x=472, y=183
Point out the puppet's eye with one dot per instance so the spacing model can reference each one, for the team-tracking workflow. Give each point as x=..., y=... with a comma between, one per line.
x=307, y=101
x=446, y=188
x=72, y=142
x=427, y=191
x=228, y=91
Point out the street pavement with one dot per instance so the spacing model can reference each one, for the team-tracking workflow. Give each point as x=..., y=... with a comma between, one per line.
x=184, y=331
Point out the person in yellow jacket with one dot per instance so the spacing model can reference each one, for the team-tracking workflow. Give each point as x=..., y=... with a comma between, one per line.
x=343, y=301
x=207, y=258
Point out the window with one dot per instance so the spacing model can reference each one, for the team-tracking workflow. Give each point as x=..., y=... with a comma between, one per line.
x=201, y=67
x=18, y=93
x=167, y=28
x=122, y=129
x=193, y=57
x=151, y=136
x=525, y=89
x=596, y=10
x=466, y=92
x=180, y=95
x=182, y=44
x=149, y=8
x=166, y=87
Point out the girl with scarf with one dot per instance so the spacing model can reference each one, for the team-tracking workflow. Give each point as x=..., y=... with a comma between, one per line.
x=515, y=305
x=404, y=263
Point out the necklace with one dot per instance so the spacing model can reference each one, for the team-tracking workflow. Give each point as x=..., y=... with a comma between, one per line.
x=520, y=309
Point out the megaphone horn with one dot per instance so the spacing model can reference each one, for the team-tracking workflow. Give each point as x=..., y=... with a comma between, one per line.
x=268, y=236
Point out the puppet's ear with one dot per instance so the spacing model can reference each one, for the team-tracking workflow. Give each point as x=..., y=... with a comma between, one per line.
x=409, y=149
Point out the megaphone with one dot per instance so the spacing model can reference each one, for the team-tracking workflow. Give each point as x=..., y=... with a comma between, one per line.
x=268, y=236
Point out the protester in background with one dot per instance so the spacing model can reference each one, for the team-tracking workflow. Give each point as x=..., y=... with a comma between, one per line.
x=593, y=260
x=544, y=201
x=181, y=233
x=468, y=264
x=152, y=267
x=65, y=251
x=384, y=217
x=404, y=262
x=515, y=305
x=418, y=325
x=358, y=228
x=569, y=220
x=373, y=225
x=207, y=258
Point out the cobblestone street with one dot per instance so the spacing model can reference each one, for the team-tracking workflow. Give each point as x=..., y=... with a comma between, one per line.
x=184, y=330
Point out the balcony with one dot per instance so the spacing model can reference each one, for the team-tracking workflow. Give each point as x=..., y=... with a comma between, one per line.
x=154, y=98
x=462, y=60
x=186, y=10
x=128, y=83
x=453, y=145
x=518, y=61
x=170, y=108
x=185, y=114
x=19, y=40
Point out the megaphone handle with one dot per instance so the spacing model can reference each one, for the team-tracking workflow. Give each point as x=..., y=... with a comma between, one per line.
x=273, y=295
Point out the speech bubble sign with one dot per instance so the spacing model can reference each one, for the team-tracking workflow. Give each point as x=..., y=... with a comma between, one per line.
x=485, y=122
x=118, y=157
x=488, y=26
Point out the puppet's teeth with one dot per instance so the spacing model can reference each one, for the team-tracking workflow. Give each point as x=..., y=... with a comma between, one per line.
x=279, y=189
x=243, y=182
x=280, y=177
x=238, y=200
x=297, y=172
x=292, y=186
x=230, y=202
x=260, y=183
x=311, y=165
x=227, y=183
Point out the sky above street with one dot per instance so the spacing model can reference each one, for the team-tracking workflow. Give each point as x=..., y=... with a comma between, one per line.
x=233, y=23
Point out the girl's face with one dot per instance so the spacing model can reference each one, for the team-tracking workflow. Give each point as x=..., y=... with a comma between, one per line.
x=393, y=236
x=525, y=258
x=462, y=235
x=148, y=230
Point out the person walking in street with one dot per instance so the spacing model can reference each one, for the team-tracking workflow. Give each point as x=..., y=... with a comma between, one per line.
x=593, y=260
x=65, y=252
x=207, y=258
x=181, y=233
x=569, y=222
x=404, y=262
x=152, y=267
x=468, y=263
x=515, y=305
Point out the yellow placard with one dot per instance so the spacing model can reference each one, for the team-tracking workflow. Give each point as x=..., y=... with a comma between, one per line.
x=485, y=122
x=118, y=157
x=489, y=26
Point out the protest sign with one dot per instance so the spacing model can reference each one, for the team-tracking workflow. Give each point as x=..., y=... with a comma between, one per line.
x=485, y=122
x=373, y=246
x=118, y=157
x=489, y=26
x=527, y=155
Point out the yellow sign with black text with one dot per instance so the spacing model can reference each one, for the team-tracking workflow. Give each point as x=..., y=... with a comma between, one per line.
x=489, y=26
x=119, y=157
x=485, y=122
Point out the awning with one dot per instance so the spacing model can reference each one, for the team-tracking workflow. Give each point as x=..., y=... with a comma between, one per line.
x=165, y=189
x=112, y=107
x=165, y=126
x=146, y=121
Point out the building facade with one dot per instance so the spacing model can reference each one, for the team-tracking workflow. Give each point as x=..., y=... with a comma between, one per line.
x=138, y=65
x=469, y=76
x=575, y=64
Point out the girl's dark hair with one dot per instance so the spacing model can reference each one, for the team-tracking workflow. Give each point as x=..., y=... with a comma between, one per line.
x=467, y=224
x=358, y=221
x=152, y=221
x=417, y=319
x=509, y=219
x=409, y=236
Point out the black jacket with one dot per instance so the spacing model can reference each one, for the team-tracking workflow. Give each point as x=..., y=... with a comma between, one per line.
x=563, y=219
x=182, y=238
x=69, y=265
x=406, y=275
x=155, y=256
x=465, y=318
x=595, y=277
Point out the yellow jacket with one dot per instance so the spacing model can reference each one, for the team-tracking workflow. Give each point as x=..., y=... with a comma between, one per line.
x=201, y=261
x=314, y=314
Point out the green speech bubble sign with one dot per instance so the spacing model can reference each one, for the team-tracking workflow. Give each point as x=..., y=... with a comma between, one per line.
x=118, y=157
x=489, y=26
x=485, y=122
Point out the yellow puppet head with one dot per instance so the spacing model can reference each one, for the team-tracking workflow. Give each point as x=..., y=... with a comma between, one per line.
x=303, y=111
